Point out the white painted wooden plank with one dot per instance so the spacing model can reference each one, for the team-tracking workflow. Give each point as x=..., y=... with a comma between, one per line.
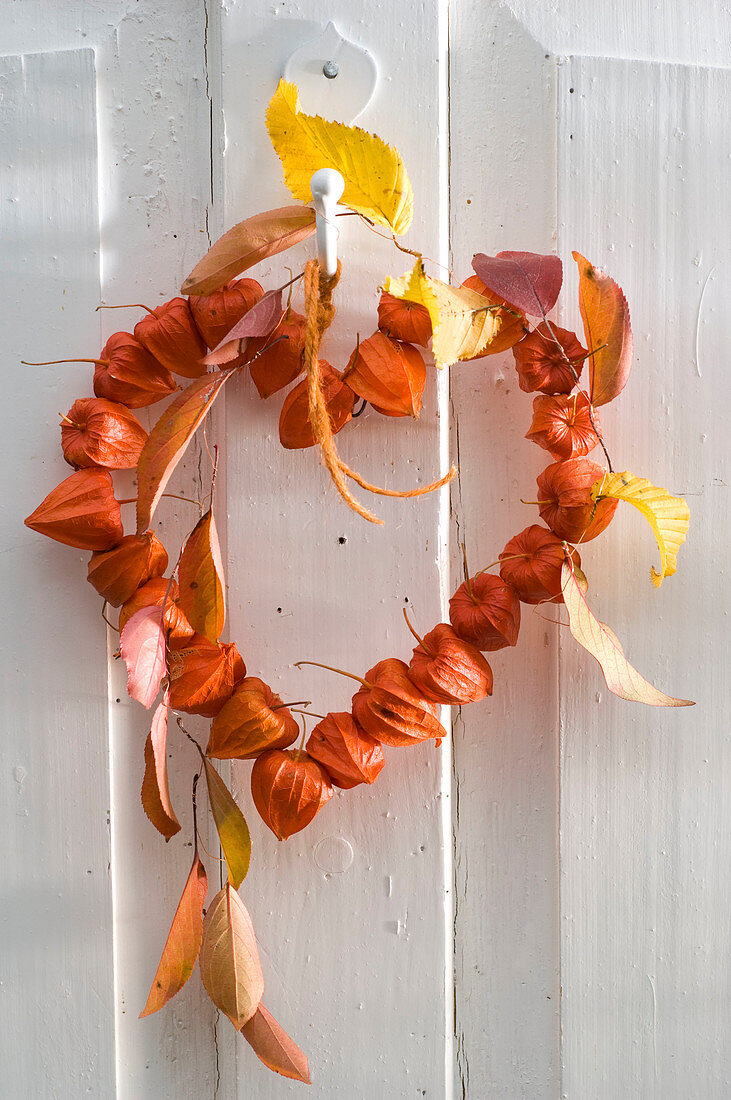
x=644, y=183
x=56, y=926
x=354, y=961
x=502, y=139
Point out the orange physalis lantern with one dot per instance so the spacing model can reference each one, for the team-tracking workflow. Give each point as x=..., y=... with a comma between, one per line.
x=289, y=788
x=388, y=374
x=127, y=373
x=391, y=708
x=295, y=429
x=562, y=425
x=404, y=320
x=82, y=511
x=203, y=674
x=531, y=563
x=448, y=670
x=541, y=365
x=486, y=612
x=118, y=573
x=566, y=505
x=170, y=334
x=253, y=720
x=216, y=314
x=347, y=753
x=97, y=432
x=281, y=362
x=512, y=322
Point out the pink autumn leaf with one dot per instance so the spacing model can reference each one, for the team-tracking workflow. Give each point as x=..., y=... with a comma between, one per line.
x=527, y=280
x=142, y=644
x=260, y=320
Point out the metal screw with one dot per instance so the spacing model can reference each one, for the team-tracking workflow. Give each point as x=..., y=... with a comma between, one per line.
x=330, y=69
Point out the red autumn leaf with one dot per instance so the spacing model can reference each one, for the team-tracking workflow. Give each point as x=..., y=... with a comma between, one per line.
x=347, y=753
x=260, y=320
x=216, y=314
x=157, y=592
x=276, y=360
x=168, y=440
x=142, y=644
x=126, y=373
x=274, y=1048
x=155, y=794
x=404, y=320
x=97, y=432
x=289, y=788
x=82, y=511
x=118, y=573
x=170, y=334
x=200, y=576
x=203, y=674
x=513, y=325
x=388, y=374
x=563, y=425
x=566, y=505
x=252, y=721
x=540, y=364
x=531, y=563
x=486, y=612
x=527, y=280
x=229, y=958
x=391, y=708
x=608, y=331
x=448, y=670
x=249, y=243
x=233, y=832
x=183, y=943
x=295, y=429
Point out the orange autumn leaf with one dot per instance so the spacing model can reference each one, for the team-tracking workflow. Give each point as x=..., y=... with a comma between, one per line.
x=142, y=644
x=82, y=511
x=604, y=645
x=248, y=243
x=229, y=958
x=155, y=794
x=608, y=331
x=273, y=1046
x=200, y=576
x=233, y=832
x=168, y=440
x=183, y=943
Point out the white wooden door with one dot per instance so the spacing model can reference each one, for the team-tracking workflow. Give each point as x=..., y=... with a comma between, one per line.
x=540, y=908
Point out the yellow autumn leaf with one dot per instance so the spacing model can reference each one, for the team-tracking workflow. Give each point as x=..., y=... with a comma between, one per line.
x=463, y=321
x=376, y=184
x=668, y=516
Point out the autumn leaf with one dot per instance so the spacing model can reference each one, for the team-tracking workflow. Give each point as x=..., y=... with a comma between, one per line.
x=260, y=320
x=167, y=441
x=249, y=243
x=200, y=577
x=668, y=516
x=155, y=792
x=604, y=645
x=233, y=832
x=376, y=184
x=273, y=1046
x=463, y=322
x=527, y=280
x=142, y=644
x=608, y=332
x=183, y=943
x=229, y=959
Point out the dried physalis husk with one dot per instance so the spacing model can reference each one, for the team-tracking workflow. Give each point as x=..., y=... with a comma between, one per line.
x=276, y=359
x=404, y=320
x=154, y=593
x=203, y=674
x=347, y=753
x=562, y=425
x=531, y=563
x=97, y=432
x=127, y=373
x=391, y=708
x=295, y=429
x=216, y=314
x=541, y=365
x=170, y=334
x=118, y=573
x=288, y=788
x=82, y=511
x=448, y=670
x=390, y=375
x=565, y=502
x=513, y=325
x=485, y=611
x=253, y=720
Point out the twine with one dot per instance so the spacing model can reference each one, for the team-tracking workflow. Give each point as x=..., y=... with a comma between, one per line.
x=319, y=313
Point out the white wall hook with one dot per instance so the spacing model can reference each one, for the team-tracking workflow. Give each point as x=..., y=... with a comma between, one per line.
x=335, y=77
x=327, y=187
